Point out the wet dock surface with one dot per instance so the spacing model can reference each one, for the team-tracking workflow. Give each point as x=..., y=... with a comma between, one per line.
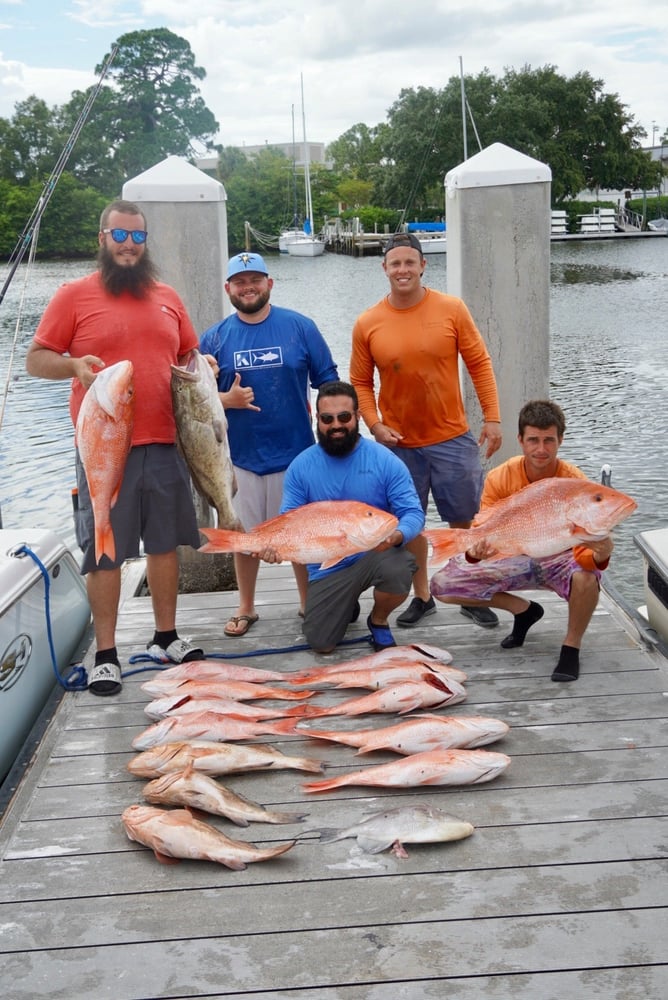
x=560, y=891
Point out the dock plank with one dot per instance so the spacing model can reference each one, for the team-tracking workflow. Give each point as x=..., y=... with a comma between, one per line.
x=559, y=892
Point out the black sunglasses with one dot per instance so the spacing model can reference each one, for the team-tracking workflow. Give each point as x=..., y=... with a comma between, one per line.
x=343, y=418
x=121, y=235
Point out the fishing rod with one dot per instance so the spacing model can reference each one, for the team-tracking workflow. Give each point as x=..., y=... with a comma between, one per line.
x=32, y=224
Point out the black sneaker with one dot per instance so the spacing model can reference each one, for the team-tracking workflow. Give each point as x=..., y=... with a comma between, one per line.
x=481, y=616
x=416, y=611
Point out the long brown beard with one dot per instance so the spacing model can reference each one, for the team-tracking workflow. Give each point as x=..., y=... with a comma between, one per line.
x=137, y=280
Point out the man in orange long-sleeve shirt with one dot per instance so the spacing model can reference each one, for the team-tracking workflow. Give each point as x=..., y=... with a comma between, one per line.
x=574, y=574
x=415, y=337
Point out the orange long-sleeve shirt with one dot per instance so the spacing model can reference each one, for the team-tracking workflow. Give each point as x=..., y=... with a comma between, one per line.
x=416, y=352
x=511, y=477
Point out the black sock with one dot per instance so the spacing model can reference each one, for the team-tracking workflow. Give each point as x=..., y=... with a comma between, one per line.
x=163, y=639
x=568, y=667
x=107, y=656
x=521, y=625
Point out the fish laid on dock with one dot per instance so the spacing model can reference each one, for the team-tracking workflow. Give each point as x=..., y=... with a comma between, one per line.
x=406, y=696
x=201, y=428
x=373, y=678
x=546, y=517
x=213, y=758
x=194, y=790
x=165, y=680
x=103, y=437
x=235, y=690
x=176, y=704
x=208, y=726
x=323, y=532
x=434, y=767
x=419, y=824
x=414, y=651
x=420, y=734
x=173, y=834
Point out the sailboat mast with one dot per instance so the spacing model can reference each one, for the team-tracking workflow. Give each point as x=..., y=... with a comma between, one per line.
x=307, y=173
x=461, y=78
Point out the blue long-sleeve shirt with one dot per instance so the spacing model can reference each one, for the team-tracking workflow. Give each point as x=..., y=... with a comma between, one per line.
x=370, y=474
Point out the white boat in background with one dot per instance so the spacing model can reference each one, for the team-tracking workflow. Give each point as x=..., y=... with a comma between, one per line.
x=306, y=243
x=432, y=236
x=44, y=613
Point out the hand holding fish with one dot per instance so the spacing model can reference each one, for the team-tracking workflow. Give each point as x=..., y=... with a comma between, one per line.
x=84, y=369
x=481, y=550
x=239, y=397
x=601, y=550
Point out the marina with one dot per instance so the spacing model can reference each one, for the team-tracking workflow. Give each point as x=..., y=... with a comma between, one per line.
x=560, y=891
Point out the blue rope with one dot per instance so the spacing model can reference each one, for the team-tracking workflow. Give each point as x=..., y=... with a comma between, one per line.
x=162, y=665
x=77, y=679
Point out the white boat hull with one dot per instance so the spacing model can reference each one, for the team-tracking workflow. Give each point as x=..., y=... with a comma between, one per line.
x=309, y=246
x=433, y=244
x=654, y=548
x=288, y=236
x=27, y=675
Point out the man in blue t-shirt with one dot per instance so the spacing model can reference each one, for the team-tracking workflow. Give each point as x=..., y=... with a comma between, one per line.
x=345, y=466
x=266, y=357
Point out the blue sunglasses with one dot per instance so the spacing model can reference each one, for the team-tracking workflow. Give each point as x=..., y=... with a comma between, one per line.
x=121, y=235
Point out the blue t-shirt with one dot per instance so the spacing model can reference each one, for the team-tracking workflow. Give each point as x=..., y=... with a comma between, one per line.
x=370, y=473
x=278, y=358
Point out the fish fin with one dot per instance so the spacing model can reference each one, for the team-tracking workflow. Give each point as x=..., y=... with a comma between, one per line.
x=329, y=834
x=305, y=712
x=399, y=850
x=328, y=563
x=410, y=706
x=166, y=859
x=283, y=726
x=286, y=817
x=326, y=784
x=371, y=844
x=446, y=542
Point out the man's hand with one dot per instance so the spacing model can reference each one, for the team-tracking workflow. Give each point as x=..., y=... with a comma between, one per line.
x=602, y=550
x=84, y=369
x=392, y=541
x=238, y=396
x=481, y=550
x=386, y=435
x=491, y=433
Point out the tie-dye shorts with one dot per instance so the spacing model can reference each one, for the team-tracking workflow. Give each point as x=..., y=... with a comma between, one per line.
x=482, y=580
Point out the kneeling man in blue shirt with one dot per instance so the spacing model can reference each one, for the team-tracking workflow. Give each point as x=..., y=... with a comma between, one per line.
x=345, y=466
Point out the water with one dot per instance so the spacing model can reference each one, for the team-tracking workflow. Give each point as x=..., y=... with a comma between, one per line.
x=609, y=372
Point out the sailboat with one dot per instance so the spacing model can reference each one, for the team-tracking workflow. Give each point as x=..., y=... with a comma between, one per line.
x=294, y=232
x=305, y=243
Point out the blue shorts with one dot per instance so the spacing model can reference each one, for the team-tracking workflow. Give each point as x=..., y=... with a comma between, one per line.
x=155, y=504
x=452, y=471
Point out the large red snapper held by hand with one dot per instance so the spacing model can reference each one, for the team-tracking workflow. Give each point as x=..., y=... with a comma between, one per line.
x=546, y=517
x=323, y=532
x=103, y=436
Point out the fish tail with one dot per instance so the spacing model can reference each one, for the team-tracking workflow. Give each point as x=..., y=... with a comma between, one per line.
x=326, y=784
x=329, y=834
x=105, y=543
x=306, y=711
x=296, y=695
x=446, y=542
x=223, y=540
x=282, y=726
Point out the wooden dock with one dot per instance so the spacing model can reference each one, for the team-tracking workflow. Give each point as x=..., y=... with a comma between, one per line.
x=560, y=892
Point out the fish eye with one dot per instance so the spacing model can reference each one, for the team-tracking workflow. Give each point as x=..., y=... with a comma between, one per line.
x=598, y=497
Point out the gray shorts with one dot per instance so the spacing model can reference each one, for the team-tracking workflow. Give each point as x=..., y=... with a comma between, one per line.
x=155, y=504
x=330, y=600
x=452, y=471
x=258, y=498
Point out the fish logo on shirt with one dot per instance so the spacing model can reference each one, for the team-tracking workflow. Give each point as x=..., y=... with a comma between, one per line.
x=264, y=357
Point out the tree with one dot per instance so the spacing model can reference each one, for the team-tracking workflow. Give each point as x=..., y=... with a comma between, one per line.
x=151, y=109
x=27, y=142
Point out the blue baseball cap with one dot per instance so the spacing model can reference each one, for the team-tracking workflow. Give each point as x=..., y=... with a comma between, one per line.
x=246, y=262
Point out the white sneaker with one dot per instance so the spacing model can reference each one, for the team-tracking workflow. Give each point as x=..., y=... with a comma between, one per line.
x=176, y=652
x=104, y=679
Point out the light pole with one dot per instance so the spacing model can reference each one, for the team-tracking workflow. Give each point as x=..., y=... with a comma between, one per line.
x=655, y=129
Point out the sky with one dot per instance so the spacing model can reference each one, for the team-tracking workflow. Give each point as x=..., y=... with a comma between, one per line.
x=355, y=56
